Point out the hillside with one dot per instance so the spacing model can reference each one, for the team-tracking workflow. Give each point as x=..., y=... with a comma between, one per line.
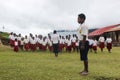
x=4, y=38
x=4, y=35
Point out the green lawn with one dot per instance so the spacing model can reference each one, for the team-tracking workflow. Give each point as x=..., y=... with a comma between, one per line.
x=44, y=66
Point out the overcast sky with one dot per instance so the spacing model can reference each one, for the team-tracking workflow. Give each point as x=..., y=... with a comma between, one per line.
x=43, y=16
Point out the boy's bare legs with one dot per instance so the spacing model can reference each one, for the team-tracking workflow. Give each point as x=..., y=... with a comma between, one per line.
x=85, y=71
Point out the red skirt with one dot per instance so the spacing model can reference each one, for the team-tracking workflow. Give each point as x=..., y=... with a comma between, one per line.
x=101, y=45
x=26, y=46
x=16, y=48
x=44, y=48
x=109, y=45
x=69, y=48
x=73, y=44
x=40, y=46
x=11, y=43
x=60, y=47
x=90, y=46
x=94, y=48
x=33, y=47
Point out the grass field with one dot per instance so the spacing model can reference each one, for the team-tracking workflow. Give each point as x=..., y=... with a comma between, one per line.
x=44, y=66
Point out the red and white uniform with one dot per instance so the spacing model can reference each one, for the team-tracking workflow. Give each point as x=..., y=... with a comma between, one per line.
x=49, y=44
x=40, y=41
x=11, y=40
x=16, y=46
x=26, y=44
x=60, y=44
x=69, y=44
x=94, y=45
x=91, y=41
x=19, y=40
x=109, y=43
x=101, y=42
x=73, y=43
x=44, y=43
x=33, y=44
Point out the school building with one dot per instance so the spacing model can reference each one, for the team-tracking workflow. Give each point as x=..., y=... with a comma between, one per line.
x=113, y=31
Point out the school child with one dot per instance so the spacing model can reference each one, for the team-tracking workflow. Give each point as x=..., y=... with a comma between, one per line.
x=84, y=44
x=77, y=45
x=16, y=47
x=50, y=44
x=101, y=43
x=90, y=44
x=33, y=44
x=30, y=40
x=109, y=44
x=44, y=44
x=21, y=43
x=63, y=43
x=11, y=39
x=73, y=42
x=40, y=41
x=60, y=44
x=66, y=40
x=26, y=43
x=19, y=40
x=69, y=45
x=55, y=42
x=95, y=45
x=36, y=40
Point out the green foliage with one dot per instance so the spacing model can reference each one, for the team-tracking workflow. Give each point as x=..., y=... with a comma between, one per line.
x=44, y=66
x=4, y=34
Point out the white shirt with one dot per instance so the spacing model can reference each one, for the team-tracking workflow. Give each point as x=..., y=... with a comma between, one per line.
x=26, y=40
x=73, y=39
x=16, y=43
x=94, y=43
x=11, y=37
x=77, y=43
x=22, y=42
x=101, y=39
x=55, y=38
x=44, y=43
x=40, y=41
x=68, y=42
x=19, y=38
x=83, y=30
x=30, y=39
x=90, y=41
x=33, y=41
x=108, y=40
x=61, y=41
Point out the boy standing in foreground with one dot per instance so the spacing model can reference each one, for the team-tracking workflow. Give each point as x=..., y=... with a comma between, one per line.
x=84, y=44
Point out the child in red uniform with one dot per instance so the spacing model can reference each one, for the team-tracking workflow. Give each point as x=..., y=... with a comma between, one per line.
x=101, y=43
x=26, y=43
x=16, y=45
x=95, y=45
x=109, y=44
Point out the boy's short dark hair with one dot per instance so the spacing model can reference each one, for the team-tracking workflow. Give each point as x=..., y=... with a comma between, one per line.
x=82, y=16
x=54, y=31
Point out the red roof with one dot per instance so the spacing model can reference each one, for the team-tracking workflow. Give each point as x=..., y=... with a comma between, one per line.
x=102, y=30
x=114, y=29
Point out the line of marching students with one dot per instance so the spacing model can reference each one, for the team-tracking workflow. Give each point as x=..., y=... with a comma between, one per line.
x=42, y=43
x=93, y=44
x=68, y=43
